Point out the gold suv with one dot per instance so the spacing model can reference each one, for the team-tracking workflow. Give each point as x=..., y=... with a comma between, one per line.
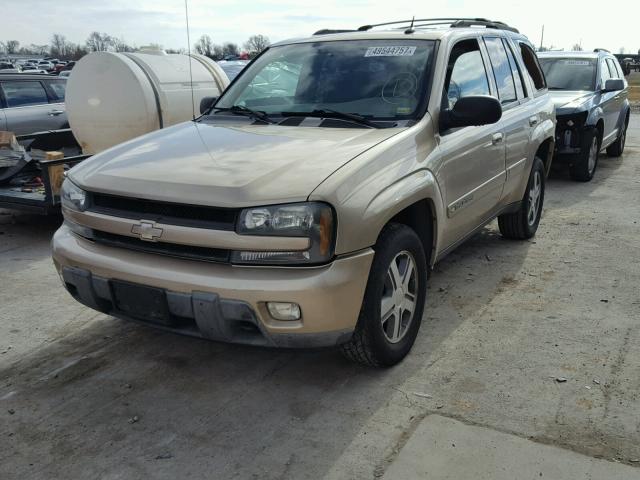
x=307, y=203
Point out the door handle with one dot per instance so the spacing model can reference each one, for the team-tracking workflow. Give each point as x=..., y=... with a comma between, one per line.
x=497, y=138
x=533, y=121
x=55, y=113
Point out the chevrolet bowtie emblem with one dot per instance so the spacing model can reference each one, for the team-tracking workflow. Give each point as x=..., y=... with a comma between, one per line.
x=147, y=231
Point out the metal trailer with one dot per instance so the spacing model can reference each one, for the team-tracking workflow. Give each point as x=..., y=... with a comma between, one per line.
x=45, y=200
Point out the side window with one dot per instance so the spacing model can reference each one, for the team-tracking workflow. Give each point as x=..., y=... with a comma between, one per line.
x=532, y=65
x=605, y=73
x=612, y=68
x=59, y=89
x=521, y=89
x=20, y=94
x=501, y=70
x=466, y=73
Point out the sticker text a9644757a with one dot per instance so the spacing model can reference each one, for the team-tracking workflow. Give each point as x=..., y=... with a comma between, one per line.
x=391, y=51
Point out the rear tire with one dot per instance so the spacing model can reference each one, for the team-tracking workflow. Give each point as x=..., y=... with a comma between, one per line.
x=394, y=300
x=524, y=223
x=583, y=169
x=617, y=148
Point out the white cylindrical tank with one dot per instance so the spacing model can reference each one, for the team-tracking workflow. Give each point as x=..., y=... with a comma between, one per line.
x=114, y=97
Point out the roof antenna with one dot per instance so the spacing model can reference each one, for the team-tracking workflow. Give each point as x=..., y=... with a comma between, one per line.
x=408, y=30
x=186, y=13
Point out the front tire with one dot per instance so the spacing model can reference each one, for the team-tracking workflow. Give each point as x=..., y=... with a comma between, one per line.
x=394, y=300
x=583, y=169
x=524, y=223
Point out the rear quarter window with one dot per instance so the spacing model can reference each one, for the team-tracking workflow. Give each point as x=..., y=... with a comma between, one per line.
x=59, y=88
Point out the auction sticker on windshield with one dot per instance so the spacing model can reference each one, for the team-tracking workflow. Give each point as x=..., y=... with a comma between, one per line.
x=396, y=51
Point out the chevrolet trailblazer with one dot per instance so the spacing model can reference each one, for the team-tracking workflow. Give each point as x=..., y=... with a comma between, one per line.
x=306, y=204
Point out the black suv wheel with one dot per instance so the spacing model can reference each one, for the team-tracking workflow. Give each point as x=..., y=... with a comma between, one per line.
x=394, y=300
x=617, y=148
x=583, y=168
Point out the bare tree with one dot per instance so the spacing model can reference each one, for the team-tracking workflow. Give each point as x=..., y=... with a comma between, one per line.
x=230, y=49
x=577, y=47
x=99, y=42
x=38, y=49
x=621, y=51
x=76, y=52
x=12, y=46
x=204, y=46
x=119, y=45
x=218, y=53
x=256, y=44
x=59, y=45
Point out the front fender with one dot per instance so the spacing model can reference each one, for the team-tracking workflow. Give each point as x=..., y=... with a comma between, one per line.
x=594, y=117
x=372, y=188
x=420, y=185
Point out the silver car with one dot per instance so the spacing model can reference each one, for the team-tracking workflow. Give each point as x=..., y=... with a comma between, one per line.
x=31, y=103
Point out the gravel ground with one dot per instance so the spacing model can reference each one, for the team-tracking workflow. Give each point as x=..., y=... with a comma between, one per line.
x=83, y=395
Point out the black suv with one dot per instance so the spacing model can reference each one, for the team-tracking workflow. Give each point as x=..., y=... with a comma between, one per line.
x=592, y=108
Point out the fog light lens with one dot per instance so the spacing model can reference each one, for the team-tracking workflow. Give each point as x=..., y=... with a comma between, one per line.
x=284, y=310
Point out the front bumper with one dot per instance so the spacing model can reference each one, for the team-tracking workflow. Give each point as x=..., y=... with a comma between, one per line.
x=215, y=301
x=570, y=131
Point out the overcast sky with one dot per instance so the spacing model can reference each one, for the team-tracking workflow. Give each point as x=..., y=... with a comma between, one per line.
x=142, y=22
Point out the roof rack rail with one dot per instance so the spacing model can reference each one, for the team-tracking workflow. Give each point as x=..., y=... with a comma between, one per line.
x=454, y=22
x=328, y=31
x=601, y=50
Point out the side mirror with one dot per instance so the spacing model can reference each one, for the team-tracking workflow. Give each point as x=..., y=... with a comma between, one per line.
x=471, y=111
x=613, y=85
x=206, y=103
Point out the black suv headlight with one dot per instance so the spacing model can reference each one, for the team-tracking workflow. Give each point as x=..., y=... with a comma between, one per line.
x=313, y=220
x=72, y=196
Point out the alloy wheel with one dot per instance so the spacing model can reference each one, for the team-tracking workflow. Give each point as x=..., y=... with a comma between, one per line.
x=399, y=297
x=593, y=155
x=535, y=195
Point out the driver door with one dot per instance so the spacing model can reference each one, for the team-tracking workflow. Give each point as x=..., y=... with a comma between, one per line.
x=472, y=173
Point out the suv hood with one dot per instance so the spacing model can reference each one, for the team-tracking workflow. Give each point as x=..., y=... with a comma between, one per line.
x=226, y=165
x=567, y=101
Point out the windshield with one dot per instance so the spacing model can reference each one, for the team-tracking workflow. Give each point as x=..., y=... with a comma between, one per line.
x=570, y=73
x=377, y=79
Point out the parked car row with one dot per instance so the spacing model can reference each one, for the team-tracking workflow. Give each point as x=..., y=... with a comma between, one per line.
x=46, y=65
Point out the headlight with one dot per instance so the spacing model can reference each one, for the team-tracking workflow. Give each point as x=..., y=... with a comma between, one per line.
x=313, y=220
x=573, y=120
x=72, y=196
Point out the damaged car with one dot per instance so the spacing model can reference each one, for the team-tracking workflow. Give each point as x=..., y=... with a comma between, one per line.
x=592, y=107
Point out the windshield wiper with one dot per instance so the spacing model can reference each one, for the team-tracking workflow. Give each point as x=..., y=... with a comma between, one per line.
x=247, y=112
x=327, y=113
